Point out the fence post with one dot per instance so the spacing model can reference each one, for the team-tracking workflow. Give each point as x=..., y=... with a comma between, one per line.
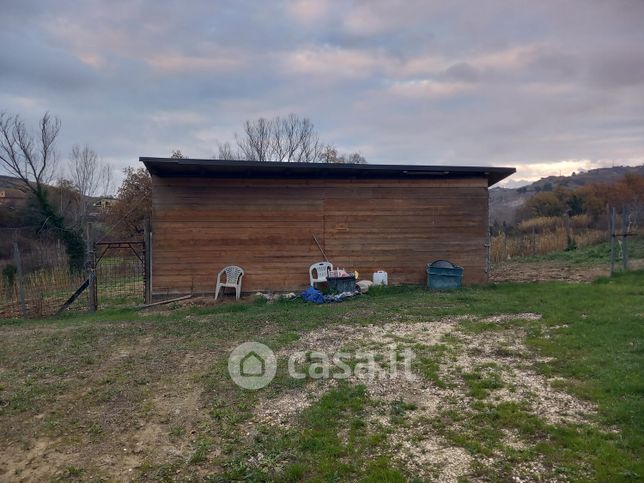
x=147, y=253
x=21, y=282
x=488, y=248
x=92, y=298
x=625, y=237
x=568, y=232
x=612, y=240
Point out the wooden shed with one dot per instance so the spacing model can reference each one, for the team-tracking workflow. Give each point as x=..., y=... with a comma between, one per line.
x=263, y=216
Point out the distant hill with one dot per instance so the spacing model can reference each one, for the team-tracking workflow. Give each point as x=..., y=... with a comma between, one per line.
x=600, y=175
x=13, y=190
x=505, y=201
x=11, y=182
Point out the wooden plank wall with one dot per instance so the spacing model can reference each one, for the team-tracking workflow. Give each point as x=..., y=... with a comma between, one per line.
x=266, y=226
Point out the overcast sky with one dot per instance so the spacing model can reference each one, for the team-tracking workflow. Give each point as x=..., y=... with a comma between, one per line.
x=546, y=86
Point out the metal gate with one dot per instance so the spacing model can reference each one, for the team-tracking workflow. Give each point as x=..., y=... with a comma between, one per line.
x=120, y=273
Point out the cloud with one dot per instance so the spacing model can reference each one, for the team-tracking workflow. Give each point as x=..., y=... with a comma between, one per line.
x=461, y=71
x=178, y=117
x=565, y=167
x=426, y=88
x=332, y=62
x=618, y=69
x=308, y=12
x=528, y=84
x=177, y=62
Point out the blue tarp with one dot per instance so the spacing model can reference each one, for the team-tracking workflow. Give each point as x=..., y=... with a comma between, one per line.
x=312, y=295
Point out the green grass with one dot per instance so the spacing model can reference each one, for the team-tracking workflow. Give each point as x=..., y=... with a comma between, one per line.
x=482, y=380
x=87, y=381
x=329, y=442
x=427, y=361
x=591, y=255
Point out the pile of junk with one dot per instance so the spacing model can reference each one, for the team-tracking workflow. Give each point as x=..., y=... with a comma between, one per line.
x=337, y=284
x=330, y=284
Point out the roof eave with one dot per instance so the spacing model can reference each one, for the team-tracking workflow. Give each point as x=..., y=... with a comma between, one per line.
x=268, y=169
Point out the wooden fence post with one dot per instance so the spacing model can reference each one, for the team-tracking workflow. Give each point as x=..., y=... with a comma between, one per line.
x=92, y=294
x=147, y=251
x=20, y=278
x=488, y=249
x=625, y=237
x=612, y=240
x=568, y=232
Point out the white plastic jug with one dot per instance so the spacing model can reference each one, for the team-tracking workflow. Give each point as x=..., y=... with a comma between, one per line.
x=380, y=278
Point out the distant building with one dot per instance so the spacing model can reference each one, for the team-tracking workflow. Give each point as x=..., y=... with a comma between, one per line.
x=12, y=196
x=103, y=203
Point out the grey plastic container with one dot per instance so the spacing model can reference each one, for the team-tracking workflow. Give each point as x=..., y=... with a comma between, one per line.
x=444, y=275
x=341, y=284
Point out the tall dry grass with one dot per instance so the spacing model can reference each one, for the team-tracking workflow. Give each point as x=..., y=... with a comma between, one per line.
x=506, y=247
x=45, y=291
x=120, y=280
x=542, y=224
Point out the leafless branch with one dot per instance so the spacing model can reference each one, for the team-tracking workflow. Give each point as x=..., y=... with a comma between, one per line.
x=89, y=175
x=27, y=156
x=225, y=151
x=290, y=139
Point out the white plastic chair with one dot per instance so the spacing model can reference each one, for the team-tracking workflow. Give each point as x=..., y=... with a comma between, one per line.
x=234, y=276
x=321, y=270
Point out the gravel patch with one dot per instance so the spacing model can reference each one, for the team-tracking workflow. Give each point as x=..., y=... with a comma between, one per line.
x=414, y=445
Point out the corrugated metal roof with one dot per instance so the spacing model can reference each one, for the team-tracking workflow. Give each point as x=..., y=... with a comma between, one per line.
x=255, y=169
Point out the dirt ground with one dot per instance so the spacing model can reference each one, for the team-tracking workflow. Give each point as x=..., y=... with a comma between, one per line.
x=553, y=270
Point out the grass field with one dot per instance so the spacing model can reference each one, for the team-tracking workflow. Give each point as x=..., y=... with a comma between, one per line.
x=529, y=382
x=583, y=264
x=596, y=253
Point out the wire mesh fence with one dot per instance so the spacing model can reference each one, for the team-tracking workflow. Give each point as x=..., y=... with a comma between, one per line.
x=120, y=273
x=43, y=292
x=506, y=247
x=35, y=279
x=543, y=235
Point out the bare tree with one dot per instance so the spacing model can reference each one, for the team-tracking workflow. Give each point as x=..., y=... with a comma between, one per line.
x=330, y=154
x=177, y=154
x=85, y=170
x=226, y=151
x=355, y=158
x=27, y=155
x=108, y=180
x=31, y=157
x=133, y=203
x=66, y=199
x=255, y=143
x=290, y=139
x=90, y=176
x=294, y=139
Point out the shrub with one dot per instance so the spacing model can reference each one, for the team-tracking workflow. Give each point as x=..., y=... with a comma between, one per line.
x=9, y=274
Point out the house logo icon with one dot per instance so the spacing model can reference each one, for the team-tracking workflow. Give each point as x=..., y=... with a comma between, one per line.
x=252, y=365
